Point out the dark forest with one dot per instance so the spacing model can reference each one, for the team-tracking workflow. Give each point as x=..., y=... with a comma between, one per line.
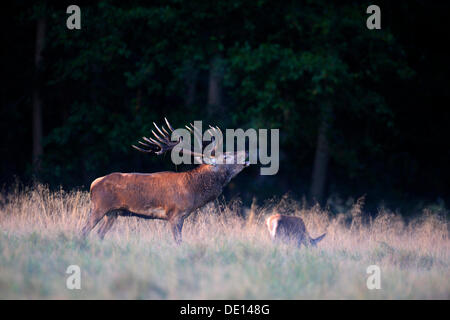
x=360, y=112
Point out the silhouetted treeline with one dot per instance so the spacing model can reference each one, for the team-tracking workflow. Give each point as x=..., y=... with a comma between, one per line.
x=359, y=111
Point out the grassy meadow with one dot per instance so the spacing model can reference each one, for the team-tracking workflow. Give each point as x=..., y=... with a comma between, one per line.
x=226, y=253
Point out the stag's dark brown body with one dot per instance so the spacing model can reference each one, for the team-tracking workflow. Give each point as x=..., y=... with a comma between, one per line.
x=170, y=196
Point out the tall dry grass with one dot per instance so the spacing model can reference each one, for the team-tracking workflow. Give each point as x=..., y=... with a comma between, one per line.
x=227, y=252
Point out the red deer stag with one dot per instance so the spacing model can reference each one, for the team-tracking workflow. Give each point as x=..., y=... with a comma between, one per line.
x=290, y=228
x=170, y=196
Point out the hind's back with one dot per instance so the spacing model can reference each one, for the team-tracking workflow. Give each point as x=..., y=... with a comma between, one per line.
x=286, y=227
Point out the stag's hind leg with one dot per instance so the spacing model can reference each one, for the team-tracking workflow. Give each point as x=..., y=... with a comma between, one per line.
x=108, y=222
x=93, y=218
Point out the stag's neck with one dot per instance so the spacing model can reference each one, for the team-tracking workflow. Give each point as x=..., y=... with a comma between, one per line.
x=207, y=176
x=206, y=182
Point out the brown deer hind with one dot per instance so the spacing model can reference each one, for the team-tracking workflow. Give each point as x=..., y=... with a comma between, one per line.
x=290, y=229
x=170, y=196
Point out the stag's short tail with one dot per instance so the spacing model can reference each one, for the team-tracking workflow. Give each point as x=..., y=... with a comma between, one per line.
x=316, y=240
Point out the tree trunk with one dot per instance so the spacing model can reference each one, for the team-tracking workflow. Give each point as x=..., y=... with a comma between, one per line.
x=215, y=85
x=191, y=84
x=37, y=101
x=321, y=158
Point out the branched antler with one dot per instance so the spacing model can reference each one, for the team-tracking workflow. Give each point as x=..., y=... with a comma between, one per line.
x=161, y=143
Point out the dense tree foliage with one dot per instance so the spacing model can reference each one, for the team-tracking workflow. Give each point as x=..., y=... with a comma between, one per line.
x=378, y=97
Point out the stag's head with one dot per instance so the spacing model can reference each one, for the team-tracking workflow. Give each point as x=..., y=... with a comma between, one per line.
x=229, y=164
x=225, y=164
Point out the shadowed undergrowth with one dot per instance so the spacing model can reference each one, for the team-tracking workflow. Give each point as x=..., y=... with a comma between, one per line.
x=226, y=254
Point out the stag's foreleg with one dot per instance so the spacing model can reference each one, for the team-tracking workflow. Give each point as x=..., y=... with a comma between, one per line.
x=176, y=224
